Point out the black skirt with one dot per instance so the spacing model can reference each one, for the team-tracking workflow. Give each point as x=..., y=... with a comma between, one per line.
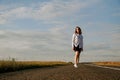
x=77, y=48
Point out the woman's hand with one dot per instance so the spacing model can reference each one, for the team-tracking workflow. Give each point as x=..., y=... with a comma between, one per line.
x=73, y=48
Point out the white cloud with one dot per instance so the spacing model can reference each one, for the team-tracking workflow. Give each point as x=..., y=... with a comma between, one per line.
x=24, y=44
x=43, y=11
x=33, y=40
x=103, y=38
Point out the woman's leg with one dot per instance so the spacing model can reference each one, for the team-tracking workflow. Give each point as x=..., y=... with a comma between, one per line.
x=76, y=59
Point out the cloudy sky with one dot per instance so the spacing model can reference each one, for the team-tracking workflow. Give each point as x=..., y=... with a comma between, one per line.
x=42, y=29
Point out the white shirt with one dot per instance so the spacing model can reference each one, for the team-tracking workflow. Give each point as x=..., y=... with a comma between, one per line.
x=77, y=40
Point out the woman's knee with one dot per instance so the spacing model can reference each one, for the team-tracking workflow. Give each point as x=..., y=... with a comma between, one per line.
x=77, y=53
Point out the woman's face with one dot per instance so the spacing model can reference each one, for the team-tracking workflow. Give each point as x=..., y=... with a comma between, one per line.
x=77, y=29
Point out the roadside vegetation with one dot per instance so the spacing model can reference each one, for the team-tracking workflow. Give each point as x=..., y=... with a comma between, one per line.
x=12, y=65
x=112, y=64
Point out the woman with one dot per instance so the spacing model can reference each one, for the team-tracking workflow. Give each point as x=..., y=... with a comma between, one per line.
x=77, y=44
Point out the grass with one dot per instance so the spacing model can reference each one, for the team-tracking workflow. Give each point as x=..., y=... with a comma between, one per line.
x=8, y=66
x=116, y=64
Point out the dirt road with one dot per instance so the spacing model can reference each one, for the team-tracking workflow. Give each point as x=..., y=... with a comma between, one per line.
x=83, y=72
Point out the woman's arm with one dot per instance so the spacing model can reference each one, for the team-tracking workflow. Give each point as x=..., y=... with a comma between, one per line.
x=73, y=39
x=82, y=43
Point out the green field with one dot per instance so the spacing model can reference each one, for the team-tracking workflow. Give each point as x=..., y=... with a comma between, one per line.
x=8, y=66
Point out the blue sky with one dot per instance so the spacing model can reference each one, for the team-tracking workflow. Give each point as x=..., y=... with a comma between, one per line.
x=42, y=29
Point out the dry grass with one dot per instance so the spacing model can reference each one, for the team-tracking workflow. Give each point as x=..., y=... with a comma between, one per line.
x=117, y=64
x=7, y=66
x=83, y=72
